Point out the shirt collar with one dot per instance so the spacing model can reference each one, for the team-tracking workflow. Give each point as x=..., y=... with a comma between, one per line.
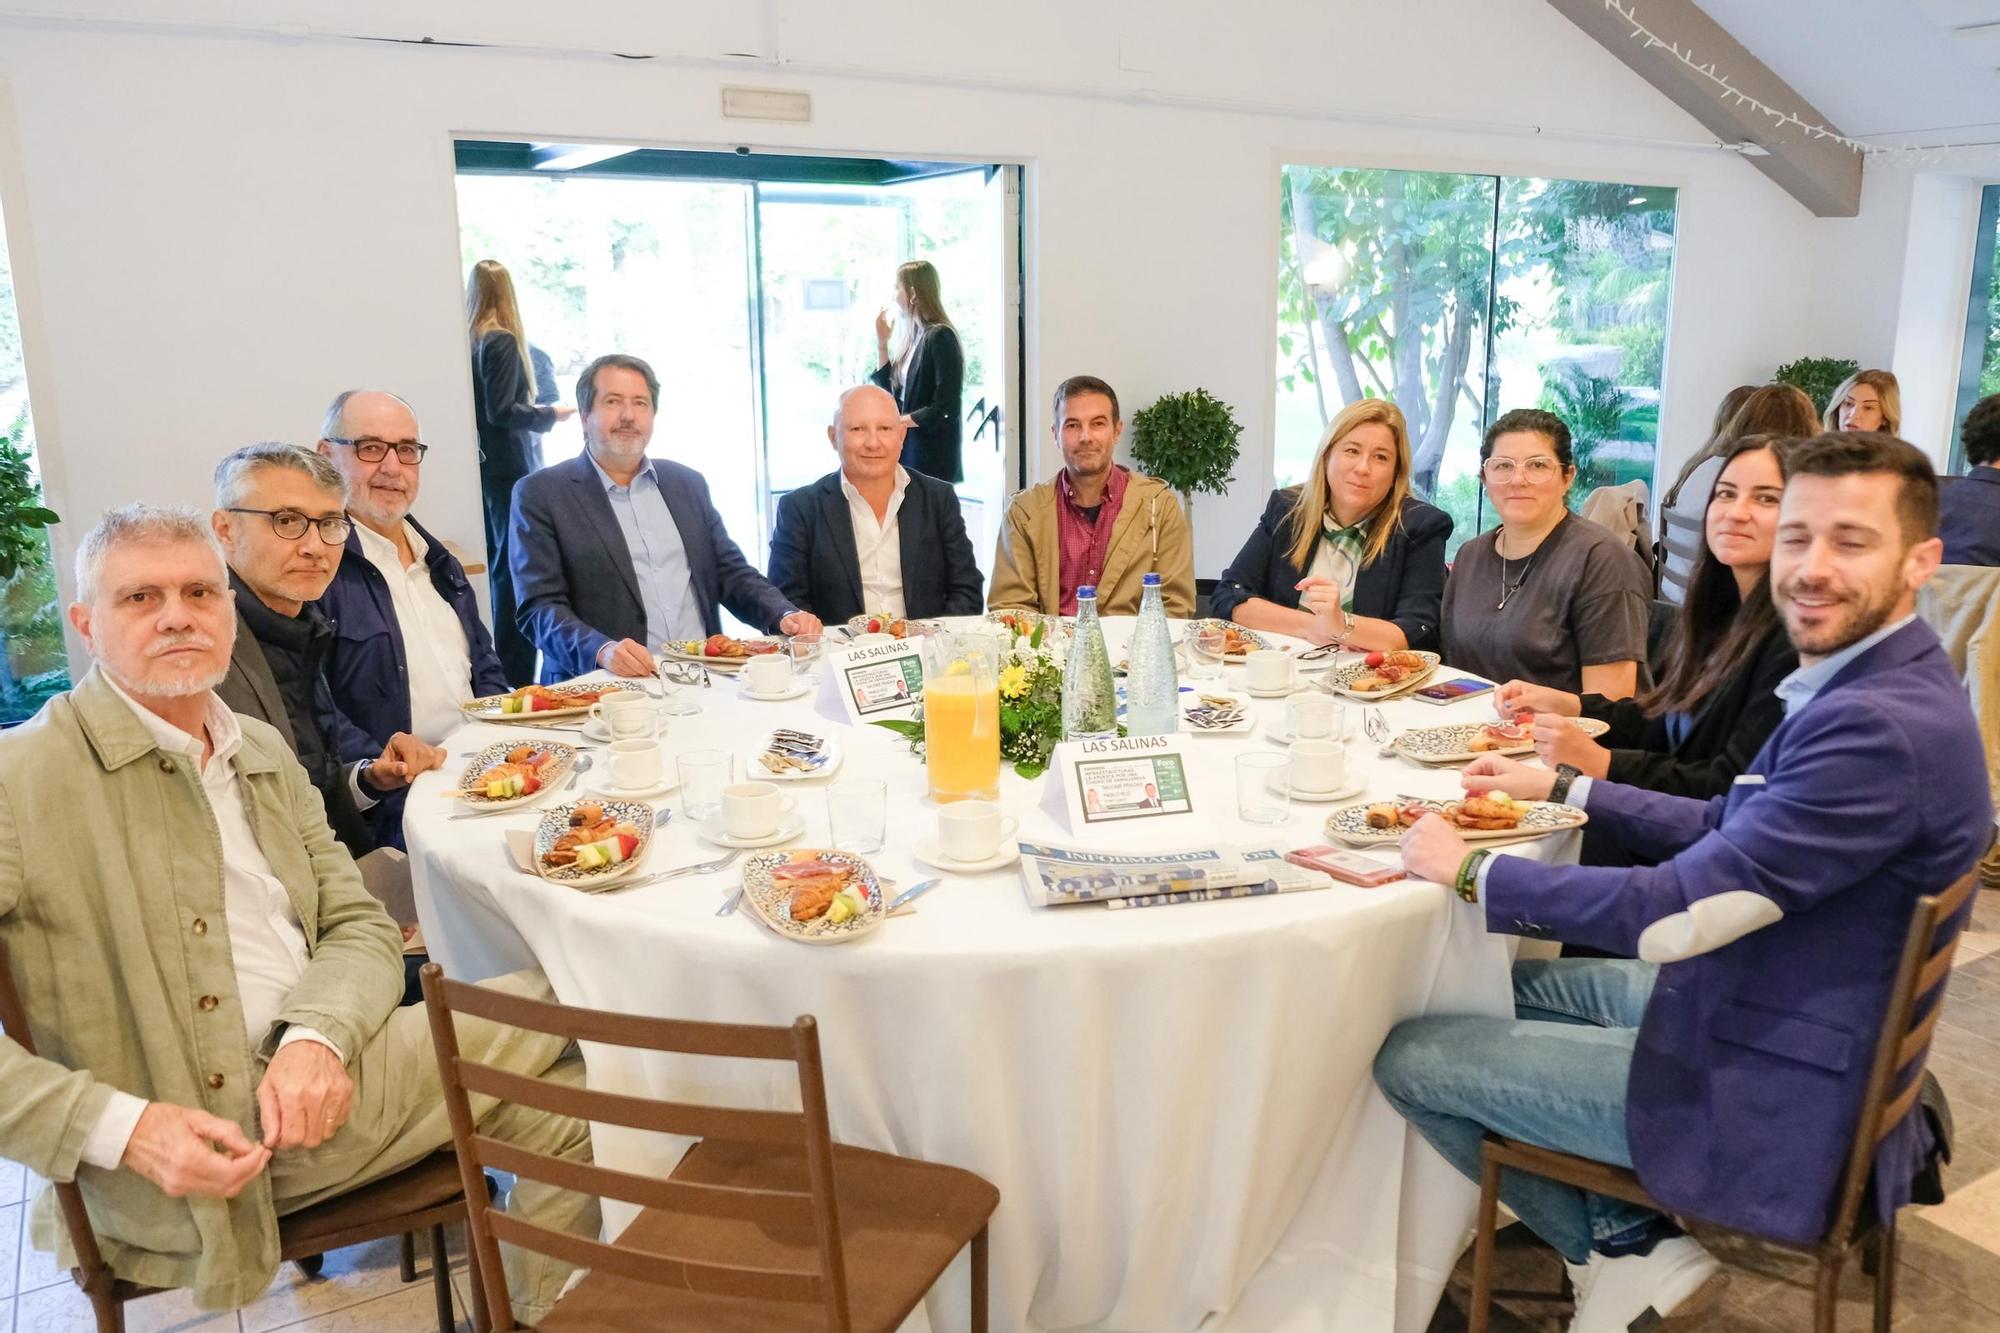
x=853, y=492
x=382, y=551
x=1804, y=684
x=1114, y=484
x=644, y=474
x=1331, y=525
x=224, y=734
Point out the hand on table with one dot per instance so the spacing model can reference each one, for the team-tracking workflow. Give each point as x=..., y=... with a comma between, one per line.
x=626, y=657
x=402, y=759
x=1496, y=772
x=186, y=1151
x=1433, y=850
x=305, y=1096
x=1518, y=696
x=1560, y=741
x=800, y=622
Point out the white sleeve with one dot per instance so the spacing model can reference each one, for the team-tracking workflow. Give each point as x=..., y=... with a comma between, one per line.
x=363, y=798
x=296, y=1033
x=1579, y=791
x=105, y=1148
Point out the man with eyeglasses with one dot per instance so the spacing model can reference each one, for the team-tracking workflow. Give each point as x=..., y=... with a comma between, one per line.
x=409, y=646
x=279, y=518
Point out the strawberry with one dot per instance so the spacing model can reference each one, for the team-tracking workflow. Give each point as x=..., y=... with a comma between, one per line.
x=711, y=650
x=1374, y=659
x=874, y=624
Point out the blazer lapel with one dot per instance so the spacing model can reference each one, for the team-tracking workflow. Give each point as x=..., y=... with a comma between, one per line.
x=838, y=525
x=603, y=523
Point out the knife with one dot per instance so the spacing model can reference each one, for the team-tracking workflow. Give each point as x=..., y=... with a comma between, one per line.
x=914, y=891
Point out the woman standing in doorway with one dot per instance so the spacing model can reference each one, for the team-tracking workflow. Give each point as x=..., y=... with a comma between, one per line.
x=926, y=375
x=503, y=396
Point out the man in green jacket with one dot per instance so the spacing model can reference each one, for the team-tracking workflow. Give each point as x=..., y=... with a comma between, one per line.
x=212, y=991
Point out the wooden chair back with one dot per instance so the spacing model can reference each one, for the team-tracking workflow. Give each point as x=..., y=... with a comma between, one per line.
x=823, y=1285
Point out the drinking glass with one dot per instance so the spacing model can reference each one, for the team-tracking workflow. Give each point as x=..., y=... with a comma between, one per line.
x=807, y=650
x=1264, y=788
x=857, y=813
x=678, y=681
x=704, y=773
x=1205, y=645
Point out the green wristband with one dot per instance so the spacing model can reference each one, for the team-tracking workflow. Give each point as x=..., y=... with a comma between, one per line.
x=1467, y=883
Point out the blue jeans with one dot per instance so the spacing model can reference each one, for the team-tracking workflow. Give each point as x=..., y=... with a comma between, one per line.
x=1553, y=1075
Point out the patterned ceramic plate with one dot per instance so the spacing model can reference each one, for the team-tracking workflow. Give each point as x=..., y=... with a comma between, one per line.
x=1349, y=824
x=773, y=905
x=1341, y=679
x=581, y=697
x=554, y=768
x=690, y=650
x=1452, y=745
x=555, y=823
x=1242, y=641
x=898, y=627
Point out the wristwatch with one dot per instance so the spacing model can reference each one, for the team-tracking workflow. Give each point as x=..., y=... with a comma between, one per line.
x=1565, y=775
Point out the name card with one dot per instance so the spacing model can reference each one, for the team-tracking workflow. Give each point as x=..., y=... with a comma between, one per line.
x=876, y=683
x=1130, y=778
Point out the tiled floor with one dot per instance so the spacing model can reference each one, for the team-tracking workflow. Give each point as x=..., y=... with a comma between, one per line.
x=1948, y=1279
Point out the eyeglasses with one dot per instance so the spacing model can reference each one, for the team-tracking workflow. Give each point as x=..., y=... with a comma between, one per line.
x=1539, y=468
x=370, y=450
x=291, y=524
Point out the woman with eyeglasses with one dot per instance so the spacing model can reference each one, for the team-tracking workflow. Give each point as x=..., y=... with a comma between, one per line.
x=1349, y=556
x=1546, y=597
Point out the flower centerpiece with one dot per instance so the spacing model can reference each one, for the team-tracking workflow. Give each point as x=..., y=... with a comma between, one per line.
x=1030, y=687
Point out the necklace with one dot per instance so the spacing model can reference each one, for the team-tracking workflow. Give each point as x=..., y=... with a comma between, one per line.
x=1508, y=589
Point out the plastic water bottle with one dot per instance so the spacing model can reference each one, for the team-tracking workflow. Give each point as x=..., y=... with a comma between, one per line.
x=1089, y=700
x=1152, y=685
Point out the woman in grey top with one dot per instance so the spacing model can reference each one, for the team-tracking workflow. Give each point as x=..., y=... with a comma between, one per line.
x=1545, y=597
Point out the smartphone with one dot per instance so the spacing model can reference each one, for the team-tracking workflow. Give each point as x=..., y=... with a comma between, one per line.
x=1346, y=866
x=1451, y=691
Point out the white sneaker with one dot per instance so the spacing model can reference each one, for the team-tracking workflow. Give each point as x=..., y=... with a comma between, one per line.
x=1679, y=1276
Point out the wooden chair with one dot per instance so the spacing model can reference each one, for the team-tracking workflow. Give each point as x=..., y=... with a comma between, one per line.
x=424, y=1197
x=765, y=1224
x=1894, y=1081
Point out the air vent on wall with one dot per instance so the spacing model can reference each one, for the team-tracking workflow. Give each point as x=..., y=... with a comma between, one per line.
x=778, y=104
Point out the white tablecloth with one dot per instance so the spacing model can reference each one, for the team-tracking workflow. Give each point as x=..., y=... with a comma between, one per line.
x=1175, y=1103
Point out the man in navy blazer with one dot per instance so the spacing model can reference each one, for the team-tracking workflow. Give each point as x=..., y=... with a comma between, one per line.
x=1727, y=1062
x=614, y=554
x=872, y=536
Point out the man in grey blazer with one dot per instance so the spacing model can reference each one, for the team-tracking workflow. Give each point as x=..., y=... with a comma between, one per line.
x=614, y=554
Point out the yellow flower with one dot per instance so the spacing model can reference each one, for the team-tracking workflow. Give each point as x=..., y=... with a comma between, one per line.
x=1014, y=681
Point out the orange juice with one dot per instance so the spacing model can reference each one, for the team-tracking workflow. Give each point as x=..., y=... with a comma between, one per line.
x=962, y=736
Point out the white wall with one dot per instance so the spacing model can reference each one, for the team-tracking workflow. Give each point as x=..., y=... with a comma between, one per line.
x=227, y=227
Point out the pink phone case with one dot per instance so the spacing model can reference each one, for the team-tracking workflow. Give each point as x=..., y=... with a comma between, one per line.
x=1345, y=866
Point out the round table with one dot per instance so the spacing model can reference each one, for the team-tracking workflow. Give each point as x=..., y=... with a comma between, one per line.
x=1175, y=1103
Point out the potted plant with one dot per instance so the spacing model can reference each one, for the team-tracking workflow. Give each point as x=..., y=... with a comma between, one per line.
x=1818, y=376
x=1188, y=440
x=27, y=586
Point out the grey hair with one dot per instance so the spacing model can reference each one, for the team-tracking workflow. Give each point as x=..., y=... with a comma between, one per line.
x=135, y=524
x=233, y=473
x=333, y=425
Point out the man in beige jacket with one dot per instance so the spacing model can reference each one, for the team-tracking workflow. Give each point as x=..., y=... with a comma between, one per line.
x=211, y=990
x=1096, y=523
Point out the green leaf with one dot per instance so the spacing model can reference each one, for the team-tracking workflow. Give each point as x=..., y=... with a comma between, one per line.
x=907, y=730
x=1035, y=639
x=1030, y=769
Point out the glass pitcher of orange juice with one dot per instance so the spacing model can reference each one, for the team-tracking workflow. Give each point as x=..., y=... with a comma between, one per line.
x=962, y=716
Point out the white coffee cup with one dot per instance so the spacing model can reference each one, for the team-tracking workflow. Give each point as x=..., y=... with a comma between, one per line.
x=754, y=809
x=626, y=714
x=970, y=831
x=870, y=640
x=768, y=674
x=1309, y=716
x=1318, y=765
x=1268, y=670
x=636, y=765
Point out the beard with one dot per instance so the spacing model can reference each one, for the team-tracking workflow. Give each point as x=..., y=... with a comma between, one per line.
x=1847, y=622
x=181, y=684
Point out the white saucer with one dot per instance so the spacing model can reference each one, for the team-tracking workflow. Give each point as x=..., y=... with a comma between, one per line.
x=654, y=792
x=798, y=690
x=595, y=730
x=713, y=831
x=753, y=764
x=1278, y=735
x=928, y=851
x=1354, y=787
x=1285, y=693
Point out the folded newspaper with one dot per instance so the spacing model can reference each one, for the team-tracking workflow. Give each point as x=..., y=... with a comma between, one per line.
x=1052, y=876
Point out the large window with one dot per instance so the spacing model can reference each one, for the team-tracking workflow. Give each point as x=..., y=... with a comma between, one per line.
x=33, y=666
x=1979, y=366
x=1460, y=297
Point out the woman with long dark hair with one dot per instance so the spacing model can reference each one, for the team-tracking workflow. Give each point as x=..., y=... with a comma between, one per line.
x=1716, y=702
x=1770, y=409
x=509, y=419
x=926, y=374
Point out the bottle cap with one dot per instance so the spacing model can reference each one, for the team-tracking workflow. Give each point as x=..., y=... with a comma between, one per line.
x=1087, y=590
x=1150, y=581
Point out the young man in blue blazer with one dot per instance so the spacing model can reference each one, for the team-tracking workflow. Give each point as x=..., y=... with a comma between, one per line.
x=1726, y=1062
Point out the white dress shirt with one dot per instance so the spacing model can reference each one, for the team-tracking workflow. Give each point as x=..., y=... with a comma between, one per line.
x=878, y=546
x=266, y=940
x=434, y=647
x=659, y=557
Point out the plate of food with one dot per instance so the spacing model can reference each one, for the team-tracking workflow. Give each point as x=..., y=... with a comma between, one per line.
x=507, y=773
x=1381, y=675
x=1488, y=816
x=593, y=841
x=814, y=895
x=881, y=622
x=1238, y=642
x=719, y=652
x=537, y=703
x=794, y=756
x=1469, y=740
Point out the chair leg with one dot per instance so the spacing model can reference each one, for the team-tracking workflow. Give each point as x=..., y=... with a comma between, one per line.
x=441, y=1277
x=1885, y=1277
x=408, y=1256
x=1482, y=1246
x=109, y=1310
x=1826, y=1294
x=979, y=1293
x=482, y=1322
